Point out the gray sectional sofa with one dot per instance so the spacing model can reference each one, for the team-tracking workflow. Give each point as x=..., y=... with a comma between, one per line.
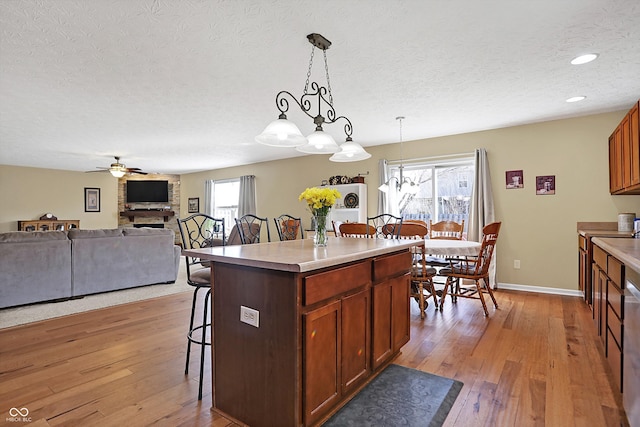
x=44, y=266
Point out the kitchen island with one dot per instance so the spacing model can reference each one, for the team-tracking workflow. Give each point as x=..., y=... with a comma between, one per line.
x=298, y=330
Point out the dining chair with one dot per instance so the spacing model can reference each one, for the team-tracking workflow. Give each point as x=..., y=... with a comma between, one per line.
x=199, y=231
x=356, y=229
x=288, y=227
x=385, y=226
x=447, y=230
x=422, y=286
x=250, y=227
x=336, y=227
x=474, y=268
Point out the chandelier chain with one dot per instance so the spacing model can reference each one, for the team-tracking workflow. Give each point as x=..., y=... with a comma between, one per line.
x=306, y=84
x=326, y=69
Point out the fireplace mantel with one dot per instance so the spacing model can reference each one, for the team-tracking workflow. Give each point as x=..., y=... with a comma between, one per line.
x=147, y=213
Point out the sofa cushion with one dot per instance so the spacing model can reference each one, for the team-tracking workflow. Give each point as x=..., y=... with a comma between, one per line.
x=147, y=231
x=32, y=236
x=78, y=233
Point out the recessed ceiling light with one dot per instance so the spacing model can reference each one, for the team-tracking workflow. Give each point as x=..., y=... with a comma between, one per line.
x=576, y=98
x=583, y=59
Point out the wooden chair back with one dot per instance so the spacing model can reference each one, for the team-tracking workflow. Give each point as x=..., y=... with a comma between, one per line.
x=356, y=229
x=449, y=230
x=413, y=231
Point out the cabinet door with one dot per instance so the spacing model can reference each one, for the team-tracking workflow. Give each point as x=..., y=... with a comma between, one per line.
x=322, y=360
x=615, y=161
x=625, y=146
x=634, y=143
x=390, y=318
x=355, y=339
x=381, y=317
x=400, y=310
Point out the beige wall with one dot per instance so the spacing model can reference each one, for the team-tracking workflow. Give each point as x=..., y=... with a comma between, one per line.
x=27, y=193
x=540, y=231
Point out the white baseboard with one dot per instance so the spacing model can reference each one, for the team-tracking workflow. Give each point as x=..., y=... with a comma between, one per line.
x=540, y=289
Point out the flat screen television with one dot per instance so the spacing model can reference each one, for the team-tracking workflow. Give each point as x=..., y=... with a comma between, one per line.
x=147, y=191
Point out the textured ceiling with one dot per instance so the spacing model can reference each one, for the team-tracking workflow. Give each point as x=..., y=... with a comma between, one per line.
x=182, y=86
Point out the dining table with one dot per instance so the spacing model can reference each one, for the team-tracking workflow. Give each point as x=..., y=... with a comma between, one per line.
x=458, y=248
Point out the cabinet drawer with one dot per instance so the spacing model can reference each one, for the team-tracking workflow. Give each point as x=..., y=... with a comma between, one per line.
x=615, y=325
x=582, y=243
x=321, y=286
x=614, y=357
x=600, y=257
x=615, y=271
x=615, y=298
x=392, y=265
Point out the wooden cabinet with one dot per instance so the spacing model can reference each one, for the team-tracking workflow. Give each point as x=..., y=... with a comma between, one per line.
x=390, y=300
x=624, y=154
x=336, y=341
x=312, y=348
x=48, y=225
x=609, y=288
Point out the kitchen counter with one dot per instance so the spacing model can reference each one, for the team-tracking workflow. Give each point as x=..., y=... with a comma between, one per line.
x=625, y=250
x=300, y=255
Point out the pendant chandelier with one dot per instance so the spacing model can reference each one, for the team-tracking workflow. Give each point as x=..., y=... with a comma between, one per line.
x=314, y=103
x=403, y=185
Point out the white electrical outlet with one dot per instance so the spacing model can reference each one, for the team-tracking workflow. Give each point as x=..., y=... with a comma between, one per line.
x=249, y=316
x=516, y=264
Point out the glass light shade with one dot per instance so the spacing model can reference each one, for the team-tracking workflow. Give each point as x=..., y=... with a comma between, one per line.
x=350, y=152
x=319, y=143
x=117, y=172
x=384, y=187
x=281, y=133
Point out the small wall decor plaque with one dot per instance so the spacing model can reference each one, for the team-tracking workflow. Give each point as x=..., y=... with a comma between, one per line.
x=194, y=204
x=546, y=184
x=515, y=179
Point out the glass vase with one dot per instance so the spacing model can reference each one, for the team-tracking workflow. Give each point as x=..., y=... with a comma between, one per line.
x=320, y=236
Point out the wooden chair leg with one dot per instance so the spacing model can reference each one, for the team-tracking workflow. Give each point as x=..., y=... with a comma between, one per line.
x=490, y=291
x=444, y=292
x=421, y=299
x=432, y=291
x=480, y=294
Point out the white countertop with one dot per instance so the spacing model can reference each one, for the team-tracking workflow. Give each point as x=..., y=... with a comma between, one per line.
x=626, y=251
x=301, y=255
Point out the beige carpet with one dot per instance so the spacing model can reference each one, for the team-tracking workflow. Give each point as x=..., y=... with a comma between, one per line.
x=32, y=313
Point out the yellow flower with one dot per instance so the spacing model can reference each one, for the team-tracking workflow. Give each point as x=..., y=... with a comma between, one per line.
x=320, y=200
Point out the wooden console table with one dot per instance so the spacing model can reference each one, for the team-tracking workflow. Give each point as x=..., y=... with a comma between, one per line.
x=147, y=213
x=317, y=324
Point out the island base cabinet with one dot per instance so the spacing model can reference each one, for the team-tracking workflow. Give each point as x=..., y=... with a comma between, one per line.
x=336, y=339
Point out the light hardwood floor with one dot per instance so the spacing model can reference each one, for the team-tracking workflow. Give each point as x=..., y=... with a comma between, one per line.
x=534, y=361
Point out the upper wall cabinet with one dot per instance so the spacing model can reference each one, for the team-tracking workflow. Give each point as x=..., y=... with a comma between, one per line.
x=624, y=155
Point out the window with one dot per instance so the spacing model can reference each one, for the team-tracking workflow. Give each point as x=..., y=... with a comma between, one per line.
x=226, y=196
x=444, y=190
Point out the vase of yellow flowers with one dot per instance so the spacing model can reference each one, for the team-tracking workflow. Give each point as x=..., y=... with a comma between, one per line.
x=320, y=201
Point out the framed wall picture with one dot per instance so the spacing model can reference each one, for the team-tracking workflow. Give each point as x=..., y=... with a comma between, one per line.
x=91, y=199
x=515, y=179
x=194, y=204
x=546, y=184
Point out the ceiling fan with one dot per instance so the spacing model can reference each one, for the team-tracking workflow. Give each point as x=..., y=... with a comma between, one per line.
x=118, y=169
